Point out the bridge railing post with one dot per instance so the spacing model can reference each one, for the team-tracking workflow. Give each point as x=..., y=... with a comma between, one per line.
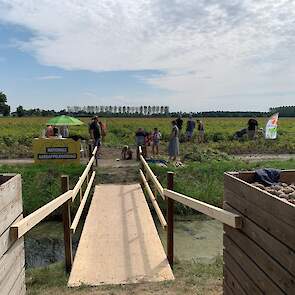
x=170, y=220
x=66, y=217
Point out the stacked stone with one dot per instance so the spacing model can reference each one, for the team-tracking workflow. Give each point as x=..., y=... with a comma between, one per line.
x=282, y=190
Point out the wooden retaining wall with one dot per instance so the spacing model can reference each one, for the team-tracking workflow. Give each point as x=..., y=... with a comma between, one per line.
x=260, y=257
x=12, y=256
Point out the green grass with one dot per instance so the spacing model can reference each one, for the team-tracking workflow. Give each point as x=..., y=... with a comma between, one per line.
x=190, y=278
x=201, y=179
x=16, y=134
x=204, y=180
x=41, y=183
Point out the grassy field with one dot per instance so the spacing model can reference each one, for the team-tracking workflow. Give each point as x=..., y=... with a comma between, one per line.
x=190, y=279
x=16, y=134
x=201, y=178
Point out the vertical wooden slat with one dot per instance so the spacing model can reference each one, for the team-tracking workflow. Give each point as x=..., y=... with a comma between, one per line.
x=66, y=216
x=170, y=220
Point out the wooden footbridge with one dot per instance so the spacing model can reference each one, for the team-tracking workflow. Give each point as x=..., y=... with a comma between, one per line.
x=119, y=243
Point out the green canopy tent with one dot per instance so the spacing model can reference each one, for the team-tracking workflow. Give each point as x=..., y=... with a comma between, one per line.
x=64, y=121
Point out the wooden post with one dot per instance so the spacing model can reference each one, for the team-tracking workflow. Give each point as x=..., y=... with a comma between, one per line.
x=170, y=220
x=66, y=217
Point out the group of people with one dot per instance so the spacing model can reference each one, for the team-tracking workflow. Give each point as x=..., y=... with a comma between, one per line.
x=53, y=131
x=145, y=139
x=190, y=128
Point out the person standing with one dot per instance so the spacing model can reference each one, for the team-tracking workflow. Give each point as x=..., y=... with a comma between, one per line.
x=252, y=128
x=179, y=123
x=190, y=126
x=156, y=136
x=95, y=133
x=201, y=131
x=64, y=131
x=173, y=147
x=140, y=138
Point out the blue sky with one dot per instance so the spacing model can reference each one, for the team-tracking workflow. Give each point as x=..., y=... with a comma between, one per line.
x=190, y=55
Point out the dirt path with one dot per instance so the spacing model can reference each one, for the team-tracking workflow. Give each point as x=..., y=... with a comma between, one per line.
x=265, y=157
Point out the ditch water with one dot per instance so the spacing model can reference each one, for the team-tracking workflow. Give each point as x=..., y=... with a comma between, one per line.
x=198, y=240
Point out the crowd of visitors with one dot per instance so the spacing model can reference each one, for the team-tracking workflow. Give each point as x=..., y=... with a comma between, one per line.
x=145, y=139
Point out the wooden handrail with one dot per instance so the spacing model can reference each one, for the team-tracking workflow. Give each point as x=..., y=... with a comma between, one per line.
x=18, y=229
x=154, y=201
x=82, y=205
x=81, y=180
x=94, y=151
x=152, y=176
x=222, y=215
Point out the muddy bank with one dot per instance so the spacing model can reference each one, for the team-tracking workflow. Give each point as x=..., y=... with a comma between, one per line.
x=44, y=244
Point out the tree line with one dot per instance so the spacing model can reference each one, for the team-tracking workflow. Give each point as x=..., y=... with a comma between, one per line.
x=122, y=110
x=132, y=111
x=284, y=111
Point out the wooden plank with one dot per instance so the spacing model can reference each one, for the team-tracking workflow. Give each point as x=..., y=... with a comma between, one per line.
x=279, y=251
x=152, y=176
x=11, y=277
x=287, y=176
x=234, y=285
x=19, y=286
x=94, y=151
x=266, y=263
x=6, y=239
x=170, y=220
x=233, y=220
x=276, y=227
x=78, y=185
x=10, y=213
x=82, y=205
x=9, y=188
x=119, y=244
x=8, y=260
x=253, y=271
x=272, y=204
x=10, y=201
x=227, y=290
x=18, y=229
x=154, y=201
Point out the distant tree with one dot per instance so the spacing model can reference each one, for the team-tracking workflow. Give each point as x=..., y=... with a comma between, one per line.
x=149, y=110
x=145, y=110
x=20, y=111
x=166, y=110
x=4, y=107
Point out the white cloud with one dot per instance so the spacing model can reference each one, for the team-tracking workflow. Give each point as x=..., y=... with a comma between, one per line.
x=48, y=78
x=208, y=49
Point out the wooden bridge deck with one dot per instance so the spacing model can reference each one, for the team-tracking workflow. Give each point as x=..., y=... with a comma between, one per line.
x=119, y=243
